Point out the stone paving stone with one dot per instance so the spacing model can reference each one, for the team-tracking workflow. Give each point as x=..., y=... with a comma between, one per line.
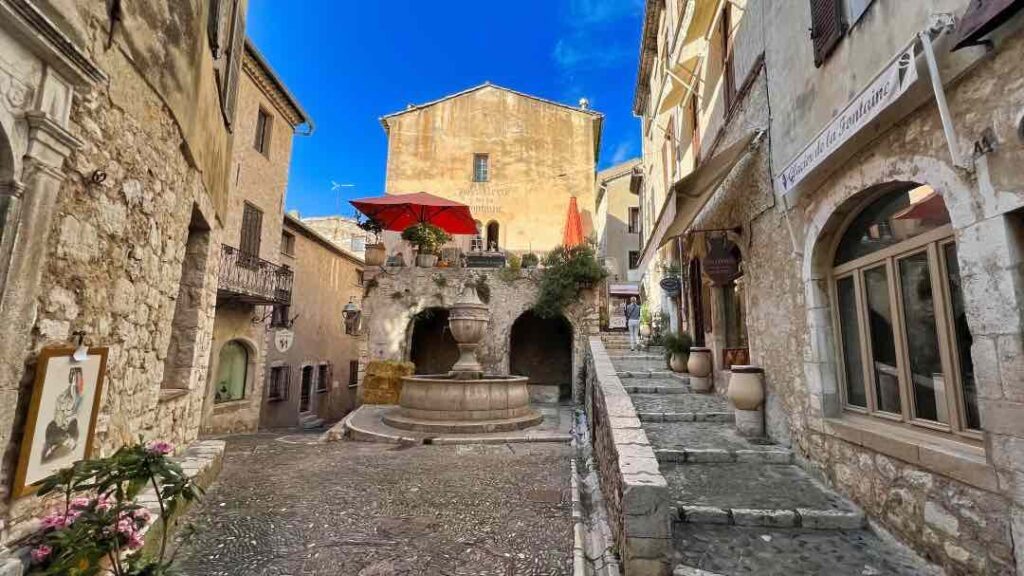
x=677, y=403
x=736, y=485
x=283, y=506
x=699, y=435
x=737, y=550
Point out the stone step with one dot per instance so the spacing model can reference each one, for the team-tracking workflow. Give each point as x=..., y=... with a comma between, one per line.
x=660, y=388
x=654, y=363
x=702, y=436
x=752, y=494
x=702, y=549
x=759, y=455
x=651, y=374
x=680, y=403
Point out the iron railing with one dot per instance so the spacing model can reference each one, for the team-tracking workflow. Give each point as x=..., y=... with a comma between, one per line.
x=248, y=278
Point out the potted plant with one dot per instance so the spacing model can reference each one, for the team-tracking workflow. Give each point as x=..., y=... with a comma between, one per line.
x=645, y=321
x=677, y=350
x=530, y=260
x=375, y=253
x=428, y=240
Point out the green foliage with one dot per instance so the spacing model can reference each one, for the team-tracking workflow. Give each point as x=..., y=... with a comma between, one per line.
x=645, y=314
x=530, y=260
x=566, y=272
x=372, y=226
x=676, y=343
x=426, y=237
x=670, y=270
x=513, y=266
x=100, y=520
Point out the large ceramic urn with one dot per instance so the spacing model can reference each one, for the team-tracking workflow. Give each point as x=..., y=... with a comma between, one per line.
x=468, y=320
x=699, y=367
x=746, y=387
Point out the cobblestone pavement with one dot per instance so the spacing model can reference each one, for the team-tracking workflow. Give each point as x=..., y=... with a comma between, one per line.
x=290, y=506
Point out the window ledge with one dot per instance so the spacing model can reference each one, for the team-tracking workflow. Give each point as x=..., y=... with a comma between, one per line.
x=946, y=456
x=169, y=394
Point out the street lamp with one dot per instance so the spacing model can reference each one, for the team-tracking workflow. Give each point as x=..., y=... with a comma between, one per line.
x=351, y=314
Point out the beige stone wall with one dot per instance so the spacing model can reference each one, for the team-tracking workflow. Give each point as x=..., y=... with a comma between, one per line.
x=541, y=154
x=325, y=281
x=613, y=236
x=342, y=231
x=104, y=255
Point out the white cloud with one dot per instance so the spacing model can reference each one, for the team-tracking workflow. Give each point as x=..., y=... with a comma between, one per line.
x=586, y=45
x=622, y=152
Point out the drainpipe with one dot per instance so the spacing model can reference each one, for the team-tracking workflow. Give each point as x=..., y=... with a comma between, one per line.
x=940, y=99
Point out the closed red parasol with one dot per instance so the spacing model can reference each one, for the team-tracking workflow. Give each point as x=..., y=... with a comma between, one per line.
x=399, y=211
x=573, y=234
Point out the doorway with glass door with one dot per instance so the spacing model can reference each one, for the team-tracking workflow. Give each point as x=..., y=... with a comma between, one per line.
x=306, y=392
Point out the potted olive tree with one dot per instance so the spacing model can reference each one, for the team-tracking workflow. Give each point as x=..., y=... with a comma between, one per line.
x=375, y=252
x=427, y=239
x=677, y=350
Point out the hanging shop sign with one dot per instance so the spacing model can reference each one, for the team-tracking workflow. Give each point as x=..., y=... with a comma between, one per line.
x=671, y=285
x=283, y=340
x=886, y=89
x=721, y=263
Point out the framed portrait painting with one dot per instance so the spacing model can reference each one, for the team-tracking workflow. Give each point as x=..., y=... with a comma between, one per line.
x=62, y=414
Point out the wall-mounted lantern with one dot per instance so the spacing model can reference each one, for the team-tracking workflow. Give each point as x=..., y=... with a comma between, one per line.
x=351, y=314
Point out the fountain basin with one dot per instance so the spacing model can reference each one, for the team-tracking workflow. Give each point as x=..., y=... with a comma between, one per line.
x=446, y=403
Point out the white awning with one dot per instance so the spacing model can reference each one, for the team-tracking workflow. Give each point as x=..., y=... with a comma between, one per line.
x=689, y=195
x=624, y=289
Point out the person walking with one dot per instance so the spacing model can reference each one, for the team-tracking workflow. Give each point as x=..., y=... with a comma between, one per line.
x=633, y=323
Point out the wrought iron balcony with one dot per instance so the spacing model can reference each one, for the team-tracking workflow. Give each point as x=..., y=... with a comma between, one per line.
x=250, y=279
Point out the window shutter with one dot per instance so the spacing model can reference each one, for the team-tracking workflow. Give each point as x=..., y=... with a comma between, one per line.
x=827, y=27
x=252, y=224
x=234, y=63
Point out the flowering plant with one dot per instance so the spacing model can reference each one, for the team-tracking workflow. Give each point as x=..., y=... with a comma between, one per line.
x=100, y=526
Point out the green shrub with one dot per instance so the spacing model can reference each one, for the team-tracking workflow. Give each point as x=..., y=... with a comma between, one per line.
x=566, y=272
x=530, y=260
x=676, y=343
x=426, y=237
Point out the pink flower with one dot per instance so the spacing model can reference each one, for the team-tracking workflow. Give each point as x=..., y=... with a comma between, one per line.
x=80, y=503
x=104, y=502
x=160, y=447
x=126, y=526
x=135, y=541
x=142, y=514
x=41, y=552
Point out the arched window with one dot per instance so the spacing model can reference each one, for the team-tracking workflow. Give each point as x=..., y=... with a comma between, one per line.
x=477, y=244
x=492, y=236
x=901, y=326
x=232, y=372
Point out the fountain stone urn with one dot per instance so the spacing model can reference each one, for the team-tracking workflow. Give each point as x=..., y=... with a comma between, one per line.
x=465, y=400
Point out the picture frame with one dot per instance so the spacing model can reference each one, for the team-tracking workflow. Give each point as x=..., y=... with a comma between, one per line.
x=66, y=396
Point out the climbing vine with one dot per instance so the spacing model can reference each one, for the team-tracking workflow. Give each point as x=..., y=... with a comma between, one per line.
x=566, y=272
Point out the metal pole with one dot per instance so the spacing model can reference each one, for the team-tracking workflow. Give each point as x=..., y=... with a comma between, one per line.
x=940, y=99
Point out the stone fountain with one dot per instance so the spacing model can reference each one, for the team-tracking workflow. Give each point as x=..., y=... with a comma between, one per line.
x=465, y=400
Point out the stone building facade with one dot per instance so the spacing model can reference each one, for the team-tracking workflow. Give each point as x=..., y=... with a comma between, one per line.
x=874, y=244
x=618, y=220
x=405, y=316
x=313, y=378
x=115, y=140
x=514, y=159
x=342, y=231
x=253, y=278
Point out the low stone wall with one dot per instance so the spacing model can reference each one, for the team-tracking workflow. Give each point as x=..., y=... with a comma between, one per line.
x=635, y=492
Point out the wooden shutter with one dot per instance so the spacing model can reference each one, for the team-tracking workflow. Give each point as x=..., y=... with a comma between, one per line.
x=353, y=372
x=695, y=124
x=236, y=49
x=827, y=27
x=252, y=228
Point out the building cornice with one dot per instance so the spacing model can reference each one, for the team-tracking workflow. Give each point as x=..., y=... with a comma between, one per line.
x=648, y=52
x=263, y=75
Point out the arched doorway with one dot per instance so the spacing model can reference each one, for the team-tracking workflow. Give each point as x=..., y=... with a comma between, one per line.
x=232, y=372
x=492, y=236
x=541, y=349
x=903, y=343
x=431, y=347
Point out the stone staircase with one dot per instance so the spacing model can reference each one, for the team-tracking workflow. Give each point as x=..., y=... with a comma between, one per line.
x=742, y=506
x=310, y=421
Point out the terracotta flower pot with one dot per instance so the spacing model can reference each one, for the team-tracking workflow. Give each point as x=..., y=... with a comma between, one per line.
x=645, y=330
x=375, y=254
x=699, y=366
x=746, y=389
x=678, y=362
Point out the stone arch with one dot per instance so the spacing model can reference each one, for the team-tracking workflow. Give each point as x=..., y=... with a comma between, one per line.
x=431, y=346
x=234, y=355
x=542, y=350
x=829, y=218
x=493, y=235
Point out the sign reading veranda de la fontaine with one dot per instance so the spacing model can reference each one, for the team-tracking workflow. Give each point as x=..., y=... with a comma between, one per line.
x=886, y=89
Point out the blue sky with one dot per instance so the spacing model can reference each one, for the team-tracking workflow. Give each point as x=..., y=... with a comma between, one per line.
x=349, y=62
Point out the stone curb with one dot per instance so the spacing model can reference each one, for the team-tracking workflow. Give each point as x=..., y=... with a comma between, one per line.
x=688, y=571
x=771, y=517
x=721, y=455
x=723, y=417
x=359, y=434
x=579, y=563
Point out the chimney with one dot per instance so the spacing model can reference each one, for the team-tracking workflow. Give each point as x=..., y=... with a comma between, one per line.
x=584, y=104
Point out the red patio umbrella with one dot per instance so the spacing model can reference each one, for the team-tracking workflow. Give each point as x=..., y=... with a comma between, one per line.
x=573, y=234
x=399, y=211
